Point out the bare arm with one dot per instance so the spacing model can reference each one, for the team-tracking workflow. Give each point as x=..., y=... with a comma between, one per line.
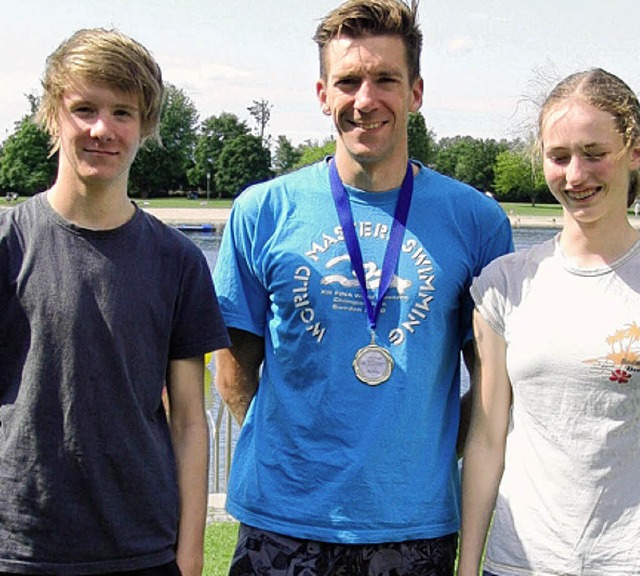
x=484, y=450
x=237, y=371
x=189, y=435
x=469, y=356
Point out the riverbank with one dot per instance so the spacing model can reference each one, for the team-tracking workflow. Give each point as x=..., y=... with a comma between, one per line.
x=215, y=218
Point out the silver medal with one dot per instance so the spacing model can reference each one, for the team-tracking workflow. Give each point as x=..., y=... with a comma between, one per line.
x=373, y=364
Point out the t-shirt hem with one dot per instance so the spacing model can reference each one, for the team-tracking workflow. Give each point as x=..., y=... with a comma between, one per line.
x=221, y=341
x=340, y=534
x=82, y=568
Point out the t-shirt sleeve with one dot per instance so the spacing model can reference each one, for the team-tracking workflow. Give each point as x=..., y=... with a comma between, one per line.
x=496, y=240
x=489, y=294
x=239, y=282
x=198, y=326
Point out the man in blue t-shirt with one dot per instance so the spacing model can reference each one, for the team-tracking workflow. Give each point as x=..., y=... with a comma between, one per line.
x=345, y=287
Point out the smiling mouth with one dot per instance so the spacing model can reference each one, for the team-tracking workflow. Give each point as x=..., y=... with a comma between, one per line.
x=584, y=194
x=367, y=125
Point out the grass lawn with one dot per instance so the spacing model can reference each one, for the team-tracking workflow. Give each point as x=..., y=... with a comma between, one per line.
x=179, y=202
x=525, y=209
x=219, y=544
x=550, y=210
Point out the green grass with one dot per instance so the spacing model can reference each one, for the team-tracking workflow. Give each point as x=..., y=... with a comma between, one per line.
x=525, y=209
x=550, y=210
x=179, y=202
x=219, y=545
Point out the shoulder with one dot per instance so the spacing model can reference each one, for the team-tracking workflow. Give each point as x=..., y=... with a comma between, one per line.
x=286, y=185
x=515, y=268
x=464, y=201
x=167, y=238
x=278, y=199
x=22, y=218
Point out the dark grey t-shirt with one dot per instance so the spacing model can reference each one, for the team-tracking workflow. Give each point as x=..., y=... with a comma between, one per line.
x=88, y=323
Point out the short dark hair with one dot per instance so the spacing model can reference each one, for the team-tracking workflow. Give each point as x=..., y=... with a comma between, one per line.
x=358, y=18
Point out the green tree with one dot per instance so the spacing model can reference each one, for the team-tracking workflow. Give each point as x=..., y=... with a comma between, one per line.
x=518, y=175
x=286, y=156
x=469, y=160
x=25, y=166
x=422, y=142
x=243, y=161
x=214, y=134
x=311, y=151
x=160, y=168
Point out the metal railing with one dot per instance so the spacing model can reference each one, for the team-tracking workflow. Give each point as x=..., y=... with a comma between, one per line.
x=221, y=445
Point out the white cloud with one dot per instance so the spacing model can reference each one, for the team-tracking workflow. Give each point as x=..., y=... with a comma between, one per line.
x=458, y=45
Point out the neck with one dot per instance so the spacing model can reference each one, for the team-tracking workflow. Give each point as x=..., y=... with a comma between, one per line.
x=371, y=176
x=596, y=244
x=91, y=206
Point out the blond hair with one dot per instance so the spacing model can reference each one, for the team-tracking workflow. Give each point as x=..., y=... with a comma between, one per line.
x=107, y=57
x=358, y=18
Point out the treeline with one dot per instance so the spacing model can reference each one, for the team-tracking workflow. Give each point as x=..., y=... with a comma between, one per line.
x=221, y=155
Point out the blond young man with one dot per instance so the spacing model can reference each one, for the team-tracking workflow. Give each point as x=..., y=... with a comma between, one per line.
x=101, y=307
x=345, y=288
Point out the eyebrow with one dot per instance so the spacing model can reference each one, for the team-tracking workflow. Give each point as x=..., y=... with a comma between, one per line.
x=585, y=147
x=82, y=101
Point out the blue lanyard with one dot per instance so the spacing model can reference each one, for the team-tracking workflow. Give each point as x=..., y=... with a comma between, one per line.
x=392, y=252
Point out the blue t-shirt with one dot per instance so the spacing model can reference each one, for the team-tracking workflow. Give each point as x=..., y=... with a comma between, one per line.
x=322, y=455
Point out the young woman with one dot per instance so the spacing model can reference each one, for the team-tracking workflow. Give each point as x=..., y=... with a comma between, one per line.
x=554, y=445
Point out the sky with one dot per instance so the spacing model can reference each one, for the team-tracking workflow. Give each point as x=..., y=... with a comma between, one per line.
x=483, y=62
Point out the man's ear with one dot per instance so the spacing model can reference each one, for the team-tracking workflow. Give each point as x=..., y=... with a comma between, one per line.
x=321, y=92
x=417, y=90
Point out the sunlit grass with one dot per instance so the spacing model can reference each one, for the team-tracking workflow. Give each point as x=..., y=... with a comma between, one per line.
x=219, y=545
x=179, y=202
x=525, y=209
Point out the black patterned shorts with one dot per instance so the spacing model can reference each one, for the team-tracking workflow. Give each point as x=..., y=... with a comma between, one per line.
x=262, y=553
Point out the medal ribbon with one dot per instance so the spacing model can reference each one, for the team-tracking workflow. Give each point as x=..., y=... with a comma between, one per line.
x=392, y=252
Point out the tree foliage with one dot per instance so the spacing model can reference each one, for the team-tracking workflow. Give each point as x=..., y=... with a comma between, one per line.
x=469, y=160
x=223, y=156
x=518, y=175
x=261, y=112
x=24, y=164
x=215, y=133
x=161, y=168
x=243, y=161
x=286, y=156
x=422, y=142
x=312, y=151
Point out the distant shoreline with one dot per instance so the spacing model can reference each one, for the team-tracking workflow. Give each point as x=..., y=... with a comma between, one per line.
x=216, y=218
